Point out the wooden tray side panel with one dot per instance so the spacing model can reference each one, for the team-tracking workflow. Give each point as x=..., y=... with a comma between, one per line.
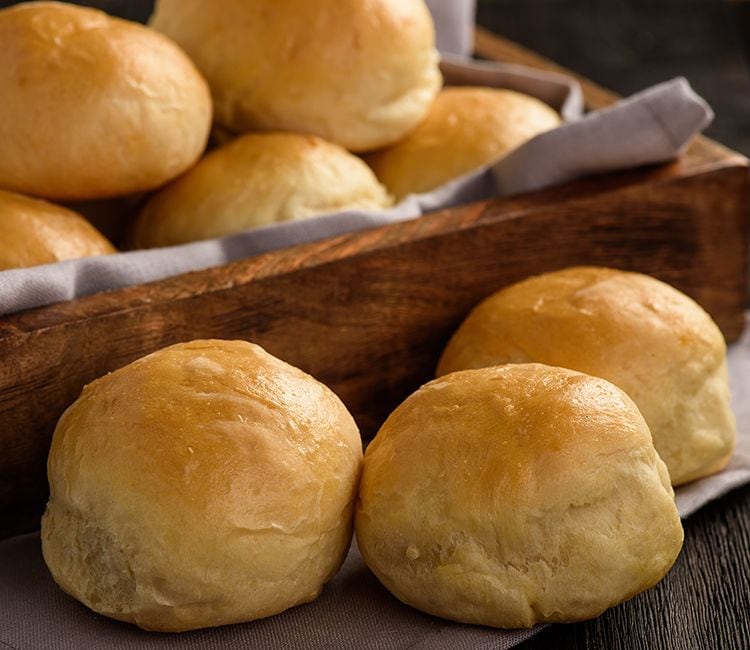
x=372, y=325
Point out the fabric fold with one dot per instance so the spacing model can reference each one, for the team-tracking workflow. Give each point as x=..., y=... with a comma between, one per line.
x=650, y=127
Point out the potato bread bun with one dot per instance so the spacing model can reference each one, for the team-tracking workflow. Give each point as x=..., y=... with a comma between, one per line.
x=360, y=74
x=94, y=106
x=466, y=128
x=257, y=180
x=649, y=339
x=204, y=484
x=35, y=232
x=515, y=495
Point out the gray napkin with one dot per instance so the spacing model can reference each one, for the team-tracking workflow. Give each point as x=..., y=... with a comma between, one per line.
x=454, y=25
x=652, y=126
x=354, y=611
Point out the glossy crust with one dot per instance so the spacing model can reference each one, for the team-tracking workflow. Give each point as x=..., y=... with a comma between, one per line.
x=93, y=106
x=466, y=128
x=205, y=484
x=35, y=232
x=258, y=180
x=649, y=339
x=515, y=495
x=361, y=73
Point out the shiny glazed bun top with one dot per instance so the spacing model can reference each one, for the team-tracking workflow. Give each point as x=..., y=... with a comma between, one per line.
x=514, y=495
x=256, y=180
x=94, y=106
x=207, y=483
x=360, y=73
x=652, y=341
x=35, y=232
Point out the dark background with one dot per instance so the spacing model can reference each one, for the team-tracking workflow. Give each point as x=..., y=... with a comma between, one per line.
x=626, y=45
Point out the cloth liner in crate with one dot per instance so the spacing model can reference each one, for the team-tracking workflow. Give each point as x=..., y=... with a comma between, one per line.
x=650, y=127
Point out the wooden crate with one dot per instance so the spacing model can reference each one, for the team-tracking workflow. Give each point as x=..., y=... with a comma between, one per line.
x=368, y=313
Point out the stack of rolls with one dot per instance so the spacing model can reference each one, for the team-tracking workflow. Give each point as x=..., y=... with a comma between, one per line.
x=302, y=85
x=363, y=77
x=93, y=107
x=103, y=110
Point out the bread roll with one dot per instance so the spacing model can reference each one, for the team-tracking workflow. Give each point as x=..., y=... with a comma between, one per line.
x=466, y=128
x=258, y=180
x=360, y=74
x=93, y=106
x=516, y=495
x=207, y=483
x=35, y=232
x=644, y=336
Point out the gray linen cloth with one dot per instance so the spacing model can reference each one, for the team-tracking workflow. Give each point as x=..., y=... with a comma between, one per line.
x=354, y=611
x=649, y=127
x=454, y=21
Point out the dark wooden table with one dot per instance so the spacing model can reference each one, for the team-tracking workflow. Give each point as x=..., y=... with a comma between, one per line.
x=625, y=45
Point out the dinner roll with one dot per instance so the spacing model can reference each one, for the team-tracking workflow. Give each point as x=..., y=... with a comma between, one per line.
x=466, y=128
x=649, y=339
x=361, y=74
x=36, y=232
x=93, y=106
x=207, y=483
x=257, y=180
x=516, y=495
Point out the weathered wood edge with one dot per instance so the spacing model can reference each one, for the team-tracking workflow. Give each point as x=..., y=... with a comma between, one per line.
x=333, y=249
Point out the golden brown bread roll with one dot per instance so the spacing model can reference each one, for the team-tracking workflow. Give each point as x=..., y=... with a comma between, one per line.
x=205, y=484
x=649, y=339
x=515, y=495
x=257, y=180
x=360, y=74
x=35, y=232
x=466, y=128
x=93, y=106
